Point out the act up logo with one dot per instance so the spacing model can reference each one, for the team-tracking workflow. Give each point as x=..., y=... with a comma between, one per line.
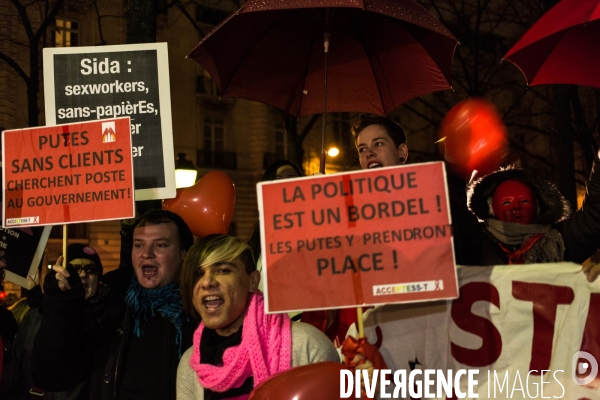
x=108, y=132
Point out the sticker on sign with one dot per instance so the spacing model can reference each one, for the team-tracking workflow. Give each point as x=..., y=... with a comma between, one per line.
x=410, y=287
x=20, y=221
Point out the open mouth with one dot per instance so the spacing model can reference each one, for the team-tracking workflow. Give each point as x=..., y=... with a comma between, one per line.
x=149, y=271
x=212, y=302
x=374, y=164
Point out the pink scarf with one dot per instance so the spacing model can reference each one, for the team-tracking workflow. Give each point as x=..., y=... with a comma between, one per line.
x=266, y=349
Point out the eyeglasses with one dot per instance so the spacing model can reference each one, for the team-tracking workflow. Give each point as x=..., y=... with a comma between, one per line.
x=89, y=269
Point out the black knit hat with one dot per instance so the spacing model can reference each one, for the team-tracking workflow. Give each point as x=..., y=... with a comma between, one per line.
x=78, y=250
x=161, y=216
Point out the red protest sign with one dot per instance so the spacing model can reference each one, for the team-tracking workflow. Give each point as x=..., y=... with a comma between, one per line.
x=68, y=173
x=357, y=238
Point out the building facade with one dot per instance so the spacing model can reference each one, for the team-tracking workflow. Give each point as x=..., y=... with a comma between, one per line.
x=238, y=137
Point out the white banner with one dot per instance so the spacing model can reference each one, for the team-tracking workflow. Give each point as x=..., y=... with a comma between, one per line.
x=522, y=328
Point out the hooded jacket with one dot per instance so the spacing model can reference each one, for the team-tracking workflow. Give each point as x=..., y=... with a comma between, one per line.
x=580, y=230
x=552, y=206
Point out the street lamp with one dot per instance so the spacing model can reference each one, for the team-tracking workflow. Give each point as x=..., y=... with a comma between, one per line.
x=185, y=172
x=333, y=151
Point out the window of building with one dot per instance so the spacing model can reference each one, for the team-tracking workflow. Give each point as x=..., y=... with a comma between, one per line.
x=213, y=155
x=66, y=33
x=279, y=150
x=206, y=85
x=214, y=127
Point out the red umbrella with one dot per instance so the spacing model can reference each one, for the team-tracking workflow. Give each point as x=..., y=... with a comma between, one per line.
x=308, y=57
x=562, y=47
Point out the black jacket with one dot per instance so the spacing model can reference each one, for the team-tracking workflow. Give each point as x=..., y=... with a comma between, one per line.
x=20, y=379
x=475, y=246
x=72, y=348
x=8, y=330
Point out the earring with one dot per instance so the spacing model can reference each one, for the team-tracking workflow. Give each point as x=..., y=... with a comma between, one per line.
x=402, y=160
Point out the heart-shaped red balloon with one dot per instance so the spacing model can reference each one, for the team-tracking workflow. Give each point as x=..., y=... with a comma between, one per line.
x=308, y=382
x=207, y=207
x=475, y=137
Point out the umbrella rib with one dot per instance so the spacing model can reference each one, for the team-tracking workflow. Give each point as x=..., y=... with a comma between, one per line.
x=359, y=38
x=303, y=81
x=398, y=22
x=563, y=33
x=288, y=14
x=321, y=25
x=291, y=99
x=243, y=59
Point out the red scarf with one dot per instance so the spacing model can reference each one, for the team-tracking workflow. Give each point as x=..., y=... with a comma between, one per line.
x=516, y=257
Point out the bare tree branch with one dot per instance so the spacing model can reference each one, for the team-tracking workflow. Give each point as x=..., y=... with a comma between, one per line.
x=14, y=66
x=190, y=18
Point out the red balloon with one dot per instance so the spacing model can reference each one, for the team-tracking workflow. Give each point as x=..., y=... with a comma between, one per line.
x=308, y=382
x=475, y=137
x=207, y=207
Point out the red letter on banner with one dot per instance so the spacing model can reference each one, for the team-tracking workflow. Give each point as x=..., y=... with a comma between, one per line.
x=546, y=299
x=590, y=342
x=462, y=316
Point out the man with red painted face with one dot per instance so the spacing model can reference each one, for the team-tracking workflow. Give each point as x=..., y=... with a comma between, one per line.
x=526, y=220
x=515, y=202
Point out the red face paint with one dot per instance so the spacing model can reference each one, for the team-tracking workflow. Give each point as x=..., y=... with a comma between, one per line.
x=514, y=201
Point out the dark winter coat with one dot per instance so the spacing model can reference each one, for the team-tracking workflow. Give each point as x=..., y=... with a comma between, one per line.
x=8, y=330
x=20, y=379
x=580, y=230
x=104, y=353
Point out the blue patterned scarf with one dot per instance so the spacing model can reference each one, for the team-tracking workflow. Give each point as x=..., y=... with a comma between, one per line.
x=144, y=303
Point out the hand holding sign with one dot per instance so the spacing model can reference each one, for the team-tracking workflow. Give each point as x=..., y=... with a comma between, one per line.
x=475, y=136
x=207, y=207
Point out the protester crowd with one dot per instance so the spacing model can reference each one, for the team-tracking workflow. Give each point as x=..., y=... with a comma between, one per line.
x=186, y=320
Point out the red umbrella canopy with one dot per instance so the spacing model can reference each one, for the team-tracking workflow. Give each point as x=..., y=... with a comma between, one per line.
x=563, y=46
x=381, y=54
